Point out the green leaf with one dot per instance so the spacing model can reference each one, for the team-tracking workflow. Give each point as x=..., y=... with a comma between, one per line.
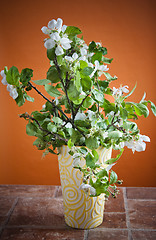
x=26, y=75
x=130, y=93
x=107, y=60
x=87, y=102
x=57, y=120
x=53, y=75
x=86, y=71
x=92, y=46
x=86, y=83
x=52, y=91
x=20, y=100
x=75, y=136
x=97, y=56
x=109, y=77
x=28, y=98
x=141, y=109
x=39, y=144
x=70, y=143
x=103, y=84
x=102, y=173
x=77, y=81
x=41, y=82
x=98, y=95
x=153, y=107
x=112, y=160
x=114, y=134
x=100, y=187
x=90, y=161
x=92, y=143
x=12, y=76
x=108, y=107
x=39, y=116
x=72, y=31
x=103, y=50
x=72, y=91
x=51, y=53
x=31, y=129
x=96, y=155
x=124, y=113
x=113, y=178
x=51, y=127
x=83, y=64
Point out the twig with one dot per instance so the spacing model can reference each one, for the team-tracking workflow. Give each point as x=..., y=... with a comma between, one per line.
x=65, y=89
x=55, y=106
x=27, y=116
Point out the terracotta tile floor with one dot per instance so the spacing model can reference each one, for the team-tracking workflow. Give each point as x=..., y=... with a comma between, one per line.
x=36, y=213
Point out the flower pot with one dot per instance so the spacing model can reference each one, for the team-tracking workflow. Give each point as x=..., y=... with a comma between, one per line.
x=80, y=210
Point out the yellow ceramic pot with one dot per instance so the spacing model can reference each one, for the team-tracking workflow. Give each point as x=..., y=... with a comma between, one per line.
x=80, y=210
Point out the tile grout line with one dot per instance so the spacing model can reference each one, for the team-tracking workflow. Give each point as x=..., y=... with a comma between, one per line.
x=56, y=191
x=9, y=215
x=33, y=227
x=86, y=234
x=127, y=214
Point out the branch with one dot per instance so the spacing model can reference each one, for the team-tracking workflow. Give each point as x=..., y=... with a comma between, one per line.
x=27, y=116
x=55, y=106
x=65, y=89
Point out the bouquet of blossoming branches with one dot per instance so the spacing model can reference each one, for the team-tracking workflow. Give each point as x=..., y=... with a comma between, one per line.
x=77, y=112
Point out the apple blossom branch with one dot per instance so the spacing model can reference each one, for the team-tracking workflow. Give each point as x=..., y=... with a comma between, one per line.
x=27, y=116
x=55, y=106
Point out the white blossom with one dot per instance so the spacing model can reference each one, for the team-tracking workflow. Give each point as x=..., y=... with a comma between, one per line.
x=100, y=68
x=86, y=188
x=13, y=91
x=76, y=162
x=104, y=135
x=4, y=81
x=119, y=91
x=49, y=43
x=72, y=58
x=98, y=44
x=61, y=42
x=83, y=51
x=138, y=145
x=80, y=116
x=45, y=30
x=120, y=145
x=68, y=125
x=55, y=25
x=90, y=114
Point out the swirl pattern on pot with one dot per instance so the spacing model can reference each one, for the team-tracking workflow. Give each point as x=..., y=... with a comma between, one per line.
x=80, y=210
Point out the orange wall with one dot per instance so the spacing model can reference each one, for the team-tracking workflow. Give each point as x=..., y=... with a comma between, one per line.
x=126, y=28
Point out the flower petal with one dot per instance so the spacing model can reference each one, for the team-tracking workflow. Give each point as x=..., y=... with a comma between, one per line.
x=59, y=51
x=14, y=93
x=52, y=24
x=59, y=24
x=80, y=116
x=49, y=43
x=75, y=56
x=45, y=30
x=64, y=28
x=55, y=36
x=66, y=46
x=4, y=81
